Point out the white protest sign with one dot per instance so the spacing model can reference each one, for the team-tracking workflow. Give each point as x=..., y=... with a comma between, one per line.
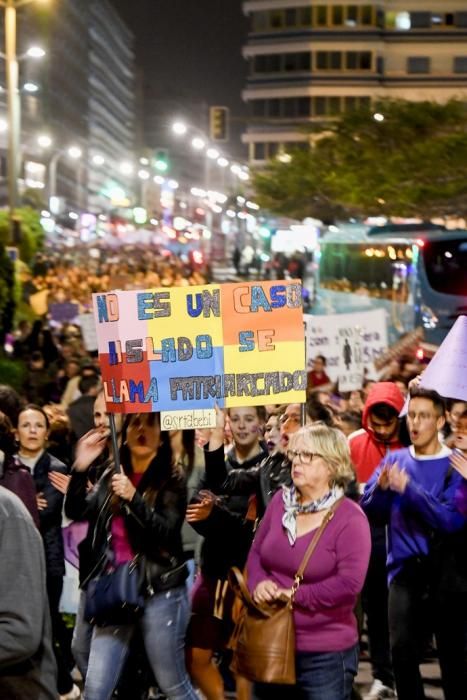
x=88, y=330
x=188, y=420
x=349, y=342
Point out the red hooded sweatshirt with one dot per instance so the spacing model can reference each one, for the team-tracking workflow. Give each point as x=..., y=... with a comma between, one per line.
x=365, y=450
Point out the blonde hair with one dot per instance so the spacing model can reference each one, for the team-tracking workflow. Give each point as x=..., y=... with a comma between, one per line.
x=331, y=444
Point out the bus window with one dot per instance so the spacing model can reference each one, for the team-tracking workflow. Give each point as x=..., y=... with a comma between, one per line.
x=367, y=270
x=446, y=265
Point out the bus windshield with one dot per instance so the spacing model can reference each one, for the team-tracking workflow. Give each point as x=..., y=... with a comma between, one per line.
x=446, y=266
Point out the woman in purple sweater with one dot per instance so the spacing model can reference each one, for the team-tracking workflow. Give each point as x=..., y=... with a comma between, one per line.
x=325, y=624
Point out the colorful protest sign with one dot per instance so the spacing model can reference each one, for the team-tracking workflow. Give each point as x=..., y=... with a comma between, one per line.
x=350, y=343
x=187, y=348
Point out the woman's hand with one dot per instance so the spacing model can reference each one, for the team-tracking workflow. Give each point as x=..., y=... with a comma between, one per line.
x=41, y=501
x=459, y=462
x=284, y=594
x=265, y=592
x=60, y=481
x=122, y=487
x=216, y=438
x=90, y=447
x=202, y=510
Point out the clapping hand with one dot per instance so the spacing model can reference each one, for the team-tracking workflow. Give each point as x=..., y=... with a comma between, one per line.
x=398, y=479
x=459, y=462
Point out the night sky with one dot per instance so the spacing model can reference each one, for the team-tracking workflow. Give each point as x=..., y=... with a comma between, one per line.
x=190, y=52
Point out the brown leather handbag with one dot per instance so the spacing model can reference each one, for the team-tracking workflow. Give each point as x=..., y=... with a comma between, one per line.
x=264, y=638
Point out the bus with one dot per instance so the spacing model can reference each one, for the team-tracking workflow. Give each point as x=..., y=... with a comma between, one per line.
x=416, y=273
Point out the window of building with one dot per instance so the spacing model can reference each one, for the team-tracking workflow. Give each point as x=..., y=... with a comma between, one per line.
x=460, y=64
x=367, y=15
x=321, y=16
x=350, y=60
x=258, y=108
x=352, y=16
x=398, y=20
x=289, y=107
x=291, y=17
x=418, y=64
x=319, y=106
x=272, y=149
x=259, y=151
x=259, y=21
x=303, y=106
x=305, y=16
x=460, y=19
x=274, y=108
x=358, y=60
x=420, y=20
x=337, y=15
x=276, y=19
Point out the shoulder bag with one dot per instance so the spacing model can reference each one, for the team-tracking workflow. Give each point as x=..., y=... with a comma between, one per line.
x=115, y=597
x=264, y=646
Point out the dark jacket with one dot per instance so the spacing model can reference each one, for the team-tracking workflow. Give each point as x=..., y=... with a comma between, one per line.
x=263, y=480
x=81, y=415
x=17, y=478
x=153, y=521
x=228, y=535
x=50, y=519
x=27, y=663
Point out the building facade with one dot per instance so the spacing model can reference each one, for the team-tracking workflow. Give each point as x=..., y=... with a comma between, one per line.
x=309, y=61
x=111, y=107
x=84, y=98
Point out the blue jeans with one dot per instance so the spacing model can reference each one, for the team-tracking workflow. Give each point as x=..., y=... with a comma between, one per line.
x=320, y=676
x=163, y=627
x=82, y=636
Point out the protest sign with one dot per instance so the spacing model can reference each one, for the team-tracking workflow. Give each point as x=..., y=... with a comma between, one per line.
x=349, y=342
x=63, y=312
x=88, y=331
x=188, y=348
x=447, y=371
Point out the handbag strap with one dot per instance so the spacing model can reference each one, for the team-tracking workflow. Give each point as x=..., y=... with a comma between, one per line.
x=298, y=578
x=238, y=584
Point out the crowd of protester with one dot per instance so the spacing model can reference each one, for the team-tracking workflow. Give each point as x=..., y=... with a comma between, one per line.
x=247, y=493
x=73, y=278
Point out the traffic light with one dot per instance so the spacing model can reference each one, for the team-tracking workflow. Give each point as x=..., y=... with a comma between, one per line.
x=161, y=160
x=219, y=123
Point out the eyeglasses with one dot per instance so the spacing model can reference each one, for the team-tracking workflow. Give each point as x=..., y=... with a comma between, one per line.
x=303, y=456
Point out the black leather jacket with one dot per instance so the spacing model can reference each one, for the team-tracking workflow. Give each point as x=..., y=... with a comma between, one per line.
x=153, y=521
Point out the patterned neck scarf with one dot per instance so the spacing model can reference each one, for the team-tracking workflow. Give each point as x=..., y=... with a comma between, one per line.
x=292, y=507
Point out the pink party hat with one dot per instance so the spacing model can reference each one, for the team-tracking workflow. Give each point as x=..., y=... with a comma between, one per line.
x=447, y=371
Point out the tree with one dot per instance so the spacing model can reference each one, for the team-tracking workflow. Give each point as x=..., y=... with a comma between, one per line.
x=32, y=233
x=412, y=163
x=7, y=302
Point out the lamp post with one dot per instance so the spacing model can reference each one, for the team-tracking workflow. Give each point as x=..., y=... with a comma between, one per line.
x=13, y=104
x=73, y=152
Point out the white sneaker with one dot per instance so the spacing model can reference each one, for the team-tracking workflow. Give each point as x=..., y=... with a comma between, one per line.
x=378, y=691
x=74, y=694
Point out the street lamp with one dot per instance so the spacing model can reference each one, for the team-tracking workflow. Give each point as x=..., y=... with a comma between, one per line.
x=73, y=152
x=13, y=103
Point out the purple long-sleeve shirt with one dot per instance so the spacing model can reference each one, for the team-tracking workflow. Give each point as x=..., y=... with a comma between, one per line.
x=324, y=603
